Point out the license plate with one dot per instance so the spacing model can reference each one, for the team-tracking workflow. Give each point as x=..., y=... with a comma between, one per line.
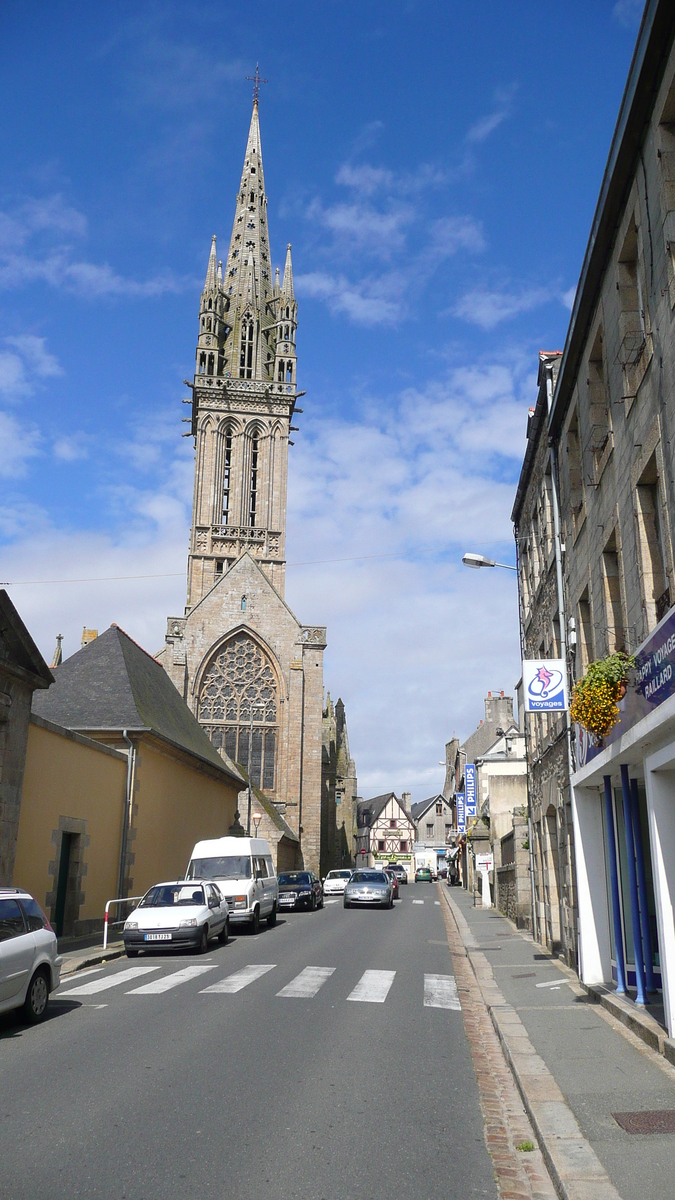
x=287, y=899
x=158, y=937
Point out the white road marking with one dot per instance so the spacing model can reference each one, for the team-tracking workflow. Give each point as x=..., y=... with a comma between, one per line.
x=169, y=981
x=70, y=978
x=552, y=983
x=418, y=901
x=331, y=901
x=101, y=985
x=437, y=902
x=440, y=991
x=373, y=987
x=307, y=983
x=240, y=979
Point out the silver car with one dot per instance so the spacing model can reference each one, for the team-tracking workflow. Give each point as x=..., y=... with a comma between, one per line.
x=369, y=887
x=30, y=965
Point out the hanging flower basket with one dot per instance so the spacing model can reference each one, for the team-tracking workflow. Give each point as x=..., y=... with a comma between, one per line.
x=595, y=699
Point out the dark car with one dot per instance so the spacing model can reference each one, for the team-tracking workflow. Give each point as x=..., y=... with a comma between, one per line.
x=399, y=871
x=394, y=880
x=300, y=889
x=423, y=875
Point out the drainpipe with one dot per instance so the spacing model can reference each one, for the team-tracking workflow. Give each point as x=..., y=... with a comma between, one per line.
x=528, y=757
x=563, y=643
x=128, y=803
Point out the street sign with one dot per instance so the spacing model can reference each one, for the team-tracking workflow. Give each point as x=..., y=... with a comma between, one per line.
x=470, y=784
x=485, y=862
x=545, y=684
x=461, y=816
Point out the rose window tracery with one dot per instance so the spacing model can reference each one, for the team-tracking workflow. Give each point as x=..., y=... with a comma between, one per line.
x=238, y=683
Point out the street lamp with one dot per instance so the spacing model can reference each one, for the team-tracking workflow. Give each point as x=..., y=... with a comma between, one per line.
x=258, y=705
x=256, y=817
x=479, y=560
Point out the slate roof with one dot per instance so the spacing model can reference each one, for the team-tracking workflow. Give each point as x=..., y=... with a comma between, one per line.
x=18, y=651
x=421, y=806
x=368, y=811
x=112, y=683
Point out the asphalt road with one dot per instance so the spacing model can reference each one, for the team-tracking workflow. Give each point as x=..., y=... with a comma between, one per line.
x=347, y=1087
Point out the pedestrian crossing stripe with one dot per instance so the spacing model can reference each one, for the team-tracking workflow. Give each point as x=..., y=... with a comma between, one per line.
x=440, y=991
x=307, y=983
x=167, y=982
x=109, y=981
x=373, y=987
x=418, y=901
x=240, y=979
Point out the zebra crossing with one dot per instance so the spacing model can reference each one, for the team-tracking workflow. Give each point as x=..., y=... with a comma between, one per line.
x=374, y=986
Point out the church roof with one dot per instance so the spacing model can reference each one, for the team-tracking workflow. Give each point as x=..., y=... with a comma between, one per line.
x=113, y=684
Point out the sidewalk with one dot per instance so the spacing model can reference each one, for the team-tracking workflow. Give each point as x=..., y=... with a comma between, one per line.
x=574, y=1063
x=77, y=957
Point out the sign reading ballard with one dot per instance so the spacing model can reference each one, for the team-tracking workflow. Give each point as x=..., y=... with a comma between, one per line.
x=544, y=684
x=654, y=682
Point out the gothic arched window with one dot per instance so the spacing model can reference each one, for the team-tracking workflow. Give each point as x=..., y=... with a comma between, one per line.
x=227, y=481
x=253, y=489
x=246, y=355
x=211, y=363
x=238, y=683
x=280, y=371
x=289, y=371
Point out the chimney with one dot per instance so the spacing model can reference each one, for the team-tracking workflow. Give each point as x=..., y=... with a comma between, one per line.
x=405, y=801
x=88, y=635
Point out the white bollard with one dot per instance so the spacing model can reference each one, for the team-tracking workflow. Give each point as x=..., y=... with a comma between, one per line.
x=485, y=889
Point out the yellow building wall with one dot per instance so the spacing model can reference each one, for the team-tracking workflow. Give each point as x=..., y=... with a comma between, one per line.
x=65, y=779
x=175, y=805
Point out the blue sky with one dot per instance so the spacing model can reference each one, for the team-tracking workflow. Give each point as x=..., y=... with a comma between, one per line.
x=436, y=167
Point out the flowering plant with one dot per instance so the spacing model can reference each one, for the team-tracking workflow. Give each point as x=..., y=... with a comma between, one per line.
x=595, y=697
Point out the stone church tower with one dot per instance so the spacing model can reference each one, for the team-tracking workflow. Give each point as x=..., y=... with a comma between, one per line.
x=239, y=650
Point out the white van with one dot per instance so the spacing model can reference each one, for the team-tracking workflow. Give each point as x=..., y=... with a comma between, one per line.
x=243, y=870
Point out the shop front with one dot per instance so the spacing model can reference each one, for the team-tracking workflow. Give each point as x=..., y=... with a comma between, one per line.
x=623, y=804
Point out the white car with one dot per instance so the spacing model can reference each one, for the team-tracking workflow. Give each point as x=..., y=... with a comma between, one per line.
x=180, y=914
x=30, y=966
x=335, y=883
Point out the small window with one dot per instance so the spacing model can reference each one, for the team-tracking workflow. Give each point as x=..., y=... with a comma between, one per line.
x=439, y=809
x=392, y=823
x=403, y=848
x=448, y=830
x=243, y=604
x=381, y=847
x=219, y=566
x=430, y=830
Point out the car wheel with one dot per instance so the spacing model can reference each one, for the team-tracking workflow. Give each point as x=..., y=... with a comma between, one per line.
x=272, y=919
x=204, y=940
x=35, y=1004
x=312, y=903
x=224, y=934
x=131, y=953
x=255, y=922
x=345, y=903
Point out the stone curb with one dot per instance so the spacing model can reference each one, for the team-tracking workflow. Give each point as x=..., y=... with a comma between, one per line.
x=574, y=1167
x=101, y=956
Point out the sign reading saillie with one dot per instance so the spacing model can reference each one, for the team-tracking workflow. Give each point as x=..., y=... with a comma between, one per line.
x=544, y=684
x=654, y=682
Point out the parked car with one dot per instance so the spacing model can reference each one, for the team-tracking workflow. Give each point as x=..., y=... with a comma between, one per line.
x=394, y=882
x=300, y=889
x=369, y=887
x=244, y=872
x=399, y=871
x=30, y=966
x=423, y=875
x=180, y=914
x=335, y=882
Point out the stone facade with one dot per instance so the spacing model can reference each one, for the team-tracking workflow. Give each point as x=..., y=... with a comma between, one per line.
x=238, y=654
x=555, y=917
x=338, y=791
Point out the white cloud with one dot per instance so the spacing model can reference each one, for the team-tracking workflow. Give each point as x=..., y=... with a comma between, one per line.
x=365, y=302
x=567, y=298
x=628, y=12
x=18, y=444
x=39, y=359
x=362, y=225
x=482, y=128
x=27, y=362
x=488, y=308
x=72, y=447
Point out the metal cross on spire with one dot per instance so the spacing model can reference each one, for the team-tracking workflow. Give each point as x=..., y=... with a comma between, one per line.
x=256, y=80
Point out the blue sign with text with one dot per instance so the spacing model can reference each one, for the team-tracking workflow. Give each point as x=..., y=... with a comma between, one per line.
x=470, y=788
x=461, y=817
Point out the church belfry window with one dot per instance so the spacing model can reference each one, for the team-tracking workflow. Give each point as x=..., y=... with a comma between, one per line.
x=246, y=355
x=227, y=473
x=253, y=490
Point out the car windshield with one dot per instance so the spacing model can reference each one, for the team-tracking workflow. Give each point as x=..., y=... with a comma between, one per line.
x=170, y=894
x=369, y=877
x=294, y=877
x=231, y=866
x=338, y=875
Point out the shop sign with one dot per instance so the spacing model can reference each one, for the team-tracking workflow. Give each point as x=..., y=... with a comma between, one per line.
x=461, y=812
x=485, y=862
x=470, y=786
x=544, y=684
x=653, y=682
